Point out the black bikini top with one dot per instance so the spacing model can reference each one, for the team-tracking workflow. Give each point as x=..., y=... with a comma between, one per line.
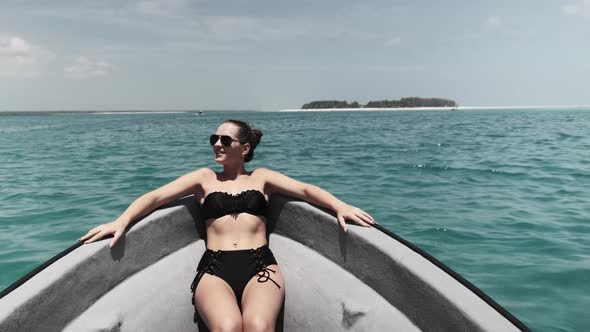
x=218, y=204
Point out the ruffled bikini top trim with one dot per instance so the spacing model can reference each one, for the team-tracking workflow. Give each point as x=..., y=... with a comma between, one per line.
x=218, y=203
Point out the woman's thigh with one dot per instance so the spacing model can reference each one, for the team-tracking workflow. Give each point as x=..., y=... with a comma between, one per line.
x=216, y=303
x=263, y=300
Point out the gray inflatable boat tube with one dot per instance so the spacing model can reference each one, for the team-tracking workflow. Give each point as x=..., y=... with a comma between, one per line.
x=367, y=280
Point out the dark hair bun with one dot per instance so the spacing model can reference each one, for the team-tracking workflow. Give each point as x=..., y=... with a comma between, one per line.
x=254, y=139
x=256, y=136
x=247, y=135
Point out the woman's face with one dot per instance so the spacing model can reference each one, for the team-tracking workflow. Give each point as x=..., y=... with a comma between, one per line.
x=234, y=153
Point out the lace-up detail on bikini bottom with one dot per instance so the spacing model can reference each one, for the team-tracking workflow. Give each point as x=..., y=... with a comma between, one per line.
x=206, y=265
x=262, y=270
x=237, y=268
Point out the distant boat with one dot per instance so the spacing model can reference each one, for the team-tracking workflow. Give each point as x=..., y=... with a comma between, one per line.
x=367, y=280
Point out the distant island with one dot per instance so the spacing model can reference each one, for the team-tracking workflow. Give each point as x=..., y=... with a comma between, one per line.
x=407, y=102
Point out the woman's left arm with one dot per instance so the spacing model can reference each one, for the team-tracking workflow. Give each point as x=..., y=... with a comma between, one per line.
x=283, y=184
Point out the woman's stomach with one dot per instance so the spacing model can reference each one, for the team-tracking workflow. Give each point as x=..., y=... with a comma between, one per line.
x=236, y=232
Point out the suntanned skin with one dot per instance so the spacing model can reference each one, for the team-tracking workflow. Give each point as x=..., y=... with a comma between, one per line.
x=214, y=298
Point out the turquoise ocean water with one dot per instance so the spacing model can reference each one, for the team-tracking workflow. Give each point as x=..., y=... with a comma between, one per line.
x=502, y=197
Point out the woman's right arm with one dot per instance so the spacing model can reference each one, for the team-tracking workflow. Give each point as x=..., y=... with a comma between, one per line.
x=147, y=203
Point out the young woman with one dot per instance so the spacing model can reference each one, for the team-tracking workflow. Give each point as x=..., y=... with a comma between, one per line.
x=231, y=292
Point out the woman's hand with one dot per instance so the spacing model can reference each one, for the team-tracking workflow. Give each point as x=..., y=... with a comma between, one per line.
x=355, y=214
x=98, y=232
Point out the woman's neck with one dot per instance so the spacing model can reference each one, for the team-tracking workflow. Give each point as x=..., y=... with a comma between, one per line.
x=232, y=173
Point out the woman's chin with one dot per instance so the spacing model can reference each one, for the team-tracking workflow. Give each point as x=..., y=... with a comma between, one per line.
x=220, y=159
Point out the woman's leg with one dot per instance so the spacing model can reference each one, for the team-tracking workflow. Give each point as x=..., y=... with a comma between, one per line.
x=262, y=301
x=217, y=305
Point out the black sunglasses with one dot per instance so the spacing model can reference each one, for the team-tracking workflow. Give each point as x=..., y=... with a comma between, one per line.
x=225, y=140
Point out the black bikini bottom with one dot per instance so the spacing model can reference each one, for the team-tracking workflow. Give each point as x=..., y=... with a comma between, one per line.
x=236, y=267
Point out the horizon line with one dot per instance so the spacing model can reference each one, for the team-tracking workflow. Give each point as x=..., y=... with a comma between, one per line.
x=296, y=109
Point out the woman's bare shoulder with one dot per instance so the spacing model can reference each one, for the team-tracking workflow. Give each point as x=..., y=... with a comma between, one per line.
x=264, y=172
x=204, y=171
x=198, y=176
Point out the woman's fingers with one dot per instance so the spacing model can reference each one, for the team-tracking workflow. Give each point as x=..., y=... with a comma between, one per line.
x=97, y=236
x=101, y=231
x=342, y=223
x=116, y=237
x=354, y=218
x=367, y=219
x=88, y=235
x=365, y=214
x=360, y=221
x=355, y=215
x=360, y=217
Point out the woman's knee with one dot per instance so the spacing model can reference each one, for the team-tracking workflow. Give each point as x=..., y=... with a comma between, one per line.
x=226, y=324
x=256, y=322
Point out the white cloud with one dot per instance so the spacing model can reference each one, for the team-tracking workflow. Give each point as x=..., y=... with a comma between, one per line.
x=20, y=58
x=87, y=68
x=14, y=46
x=494, y=22
x=577, y=8
x=394, y=41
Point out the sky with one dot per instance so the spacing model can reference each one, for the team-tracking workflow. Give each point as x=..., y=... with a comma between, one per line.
x=274, y=54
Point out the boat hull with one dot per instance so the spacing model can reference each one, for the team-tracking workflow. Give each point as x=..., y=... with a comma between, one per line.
x=365, y=280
